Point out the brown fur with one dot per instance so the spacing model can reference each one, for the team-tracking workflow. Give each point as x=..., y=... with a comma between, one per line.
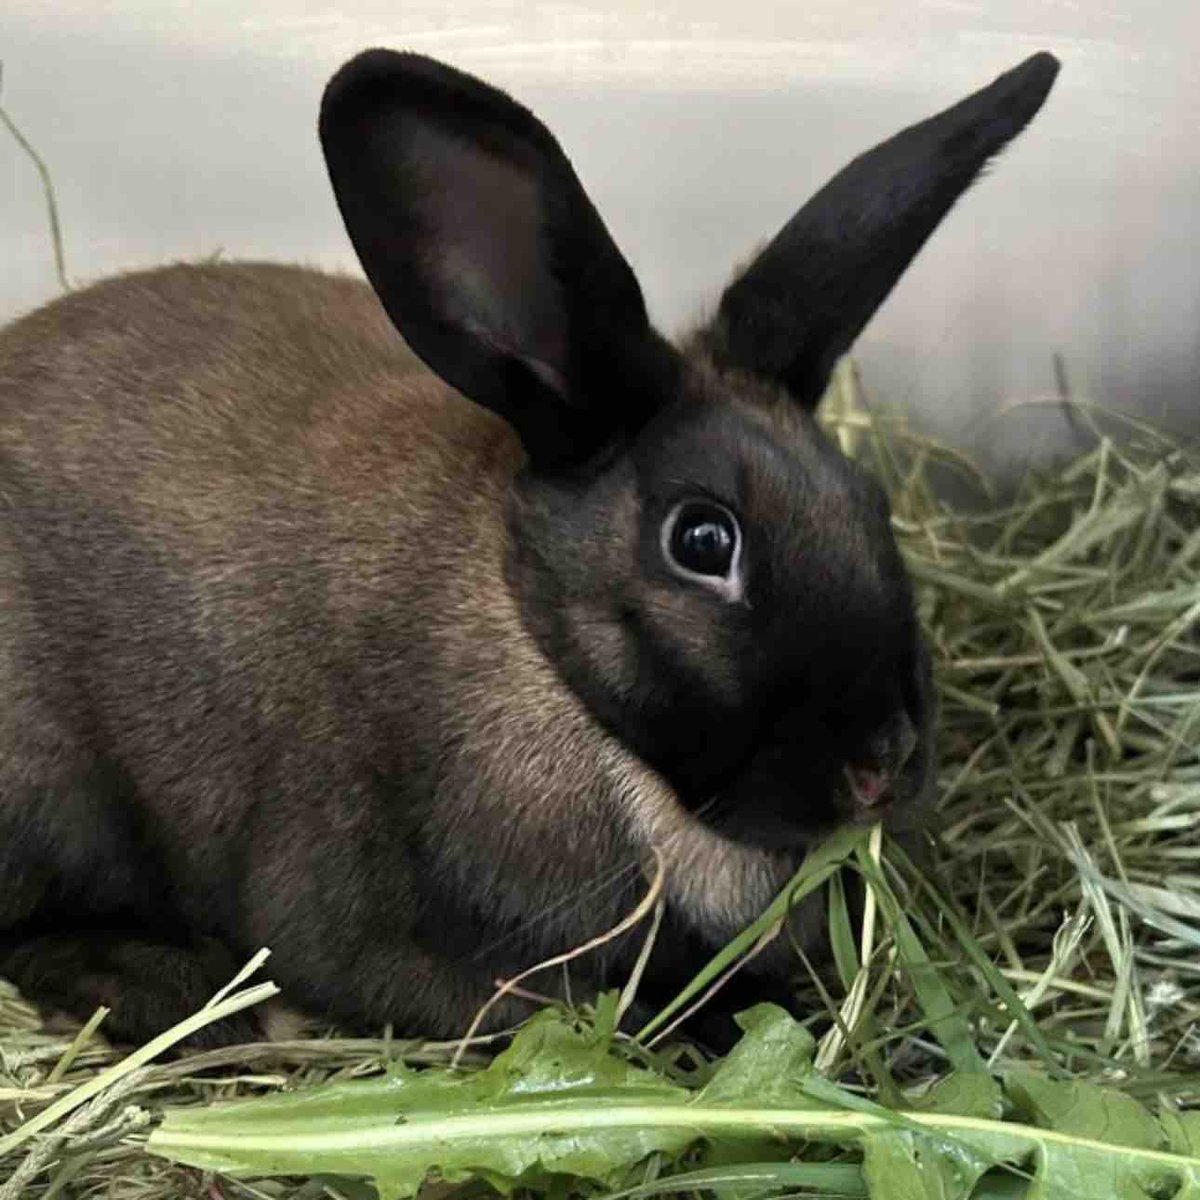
x=161, y=401
x=302, y=645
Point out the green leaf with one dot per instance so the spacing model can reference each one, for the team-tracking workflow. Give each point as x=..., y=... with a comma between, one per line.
x=560, y=1105
x=818, y=865
x=903, y=1165
x=841, y=933
x=604, y=1016
x=964, y=1094
x=943, y=1016
x=770, y=1065
x=1083, y=1109
x=397, y=1129
x=1183, y=1131
x=755, y=1178
x=979, y=959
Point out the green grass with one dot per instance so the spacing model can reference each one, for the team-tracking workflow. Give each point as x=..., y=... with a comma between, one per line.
x=1058, y=930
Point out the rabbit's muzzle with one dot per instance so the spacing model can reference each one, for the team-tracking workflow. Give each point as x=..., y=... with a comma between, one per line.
x=872, y=777
x=815, y=767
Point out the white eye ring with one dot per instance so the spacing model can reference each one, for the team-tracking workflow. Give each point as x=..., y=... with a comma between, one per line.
x=730, y=586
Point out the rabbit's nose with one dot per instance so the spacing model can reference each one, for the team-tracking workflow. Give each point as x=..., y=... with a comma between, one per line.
x=870, y=778
x=892, y=745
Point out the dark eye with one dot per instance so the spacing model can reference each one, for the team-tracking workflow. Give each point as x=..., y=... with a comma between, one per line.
x=701, y=540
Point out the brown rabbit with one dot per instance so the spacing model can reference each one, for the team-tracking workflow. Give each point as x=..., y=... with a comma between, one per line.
x=403, y=664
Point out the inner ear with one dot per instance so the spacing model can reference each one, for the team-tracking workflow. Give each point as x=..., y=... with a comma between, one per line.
x=489, y=257
x=487, y=253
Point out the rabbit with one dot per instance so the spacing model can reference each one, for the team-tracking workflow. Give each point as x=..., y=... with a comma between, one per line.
x=403, y=629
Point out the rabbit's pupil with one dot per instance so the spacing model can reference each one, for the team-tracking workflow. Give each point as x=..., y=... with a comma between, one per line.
x=703, y=540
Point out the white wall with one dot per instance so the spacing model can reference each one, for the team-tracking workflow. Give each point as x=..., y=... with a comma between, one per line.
x=176, y=129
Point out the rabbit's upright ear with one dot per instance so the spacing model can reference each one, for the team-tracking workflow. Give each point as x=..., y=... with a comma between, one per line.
x=488, y=255
x=804, y=299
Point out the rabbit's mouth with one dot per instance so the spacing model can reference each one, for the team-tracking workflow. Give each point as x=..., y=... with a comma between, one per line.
x=870, y=790
x=777, y=802
x=879, y=774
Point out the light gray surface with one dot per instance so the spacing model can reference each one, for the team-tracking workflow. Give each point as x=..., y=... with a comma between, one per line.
x=176, y=130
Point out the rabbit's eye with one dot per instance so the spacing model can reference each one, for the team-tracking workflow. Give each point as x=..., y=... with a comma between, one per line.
x=701, y=541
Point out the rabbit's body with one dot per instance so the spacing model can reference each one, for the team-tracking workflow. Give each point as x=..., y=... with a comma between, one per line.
x=302, y=646
x=245, y=623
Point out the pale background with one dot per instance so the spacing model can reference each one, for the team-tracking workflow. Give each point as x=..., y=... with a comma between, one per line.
x=178, y=129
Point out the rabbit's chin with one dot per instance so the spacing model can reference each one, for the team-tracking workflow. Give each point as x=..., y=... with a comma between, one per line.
x=790, y=810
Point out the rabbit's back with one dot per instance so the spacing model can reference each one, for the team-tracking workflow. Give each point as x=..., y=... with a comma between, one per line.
x=236, y=466
x=257, y=369
x=224, y=491
x=261, y=676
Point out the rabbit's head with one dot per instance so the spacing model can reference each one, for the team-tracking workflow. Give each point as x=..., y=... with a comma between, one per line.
x=715, y=581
